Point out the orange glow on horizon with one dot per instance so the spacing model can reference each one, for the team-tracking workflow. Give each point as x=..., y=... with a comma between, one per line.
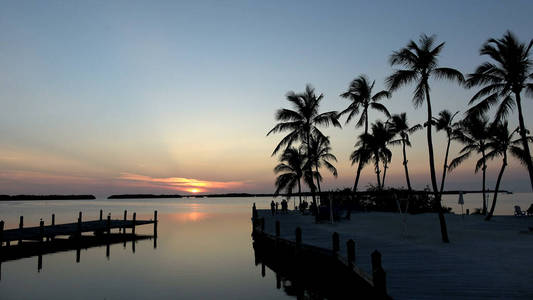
x=189, y=185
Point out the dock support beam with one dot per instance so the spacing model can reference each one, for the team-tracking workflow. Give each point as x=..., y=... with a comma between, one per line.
x=1, y=233
x=21, y=225
x=335, y=242
x=378, y=274
x=41, y=231
x=109, y=224
x=101, y=214
x=133, y=225
x=125, y=218
x=350, y=247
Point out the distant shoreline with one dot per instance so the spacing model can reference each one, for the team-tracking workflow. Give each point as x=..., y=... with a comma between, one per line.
x=46, y=197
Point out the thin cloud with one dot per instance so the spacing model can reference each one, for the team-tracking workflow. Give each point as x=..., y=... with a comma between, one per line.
x=182, y=184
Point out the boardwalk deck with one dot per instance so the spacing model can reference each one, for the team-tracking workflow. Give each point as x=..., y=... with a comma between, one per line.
x=483, y=260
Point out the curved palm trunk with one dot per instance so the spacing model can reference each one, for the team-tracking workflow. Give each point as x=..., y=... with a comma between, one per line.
x=497, y=188
x=525, y=143
x=359, y=166
x=443, y=229
x=483, y=188
x=445, y=167
x=405, y=166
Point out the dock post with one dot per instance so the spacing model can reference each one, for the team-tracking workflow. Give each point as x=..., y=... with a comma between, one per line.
x=79, y=225
x=277, y=229
x=298, y=233
x=467, y=211
x=101, y=213
x=133, y=225
x=336, y=242
x=1, y=233
x=41, y=231
x=125, y=218
x=78, y=254
x=254, y=212
x=109, y=224
x=350, y=246
x=378, y=274
x=21, y=225
x=155, y=228
x=39, y=263
x=53, y=224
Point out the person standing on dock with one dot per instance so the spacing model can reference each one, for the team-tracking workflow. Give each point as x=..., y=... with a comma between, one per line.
x=272, y=207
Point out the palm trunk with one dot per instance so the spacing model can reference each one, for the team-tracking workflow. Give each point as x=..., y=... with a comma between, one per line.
x=359, y=166
x=311, y=184
x=377, y=172
x=497, y=188
x=385, y=167
x=357, y=177
x=405, y=166
x=445, y=167
x=299, y=192
x=318, y=181
x=523, y=135
x=443, y=229
x=484, y=170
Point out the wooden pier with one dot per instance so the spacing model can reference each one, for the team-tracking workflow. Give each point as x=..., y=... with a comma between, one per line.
x=320, y=270
x=49, y=232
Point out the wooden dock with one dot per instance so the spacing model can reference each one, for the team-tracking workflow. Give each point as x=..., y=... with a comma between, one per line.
x=319, y=270
x=49, y=232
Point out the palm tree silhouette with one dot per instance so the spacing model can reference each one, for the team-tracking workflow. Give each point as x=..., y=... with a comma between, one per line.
x=509, y=75
x=420, y=61
x=473, y=133
x=374, y=146
x=499, y=143
x=360, y=94
x=399, y=125
x=445, y=122
x=321, y=156
x=302, y=122
x=291, y=168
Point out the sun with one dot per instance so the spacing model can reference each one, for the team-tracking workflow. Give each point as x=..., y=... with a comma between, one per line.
x=194, y=191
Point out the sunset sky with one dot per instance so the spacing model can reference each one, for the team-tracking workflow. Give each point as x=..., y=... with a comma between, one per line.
x=108, y=97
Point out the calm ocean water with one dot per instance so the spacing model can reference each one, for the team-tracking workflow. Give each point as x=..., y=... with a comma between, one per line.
x=204, y=251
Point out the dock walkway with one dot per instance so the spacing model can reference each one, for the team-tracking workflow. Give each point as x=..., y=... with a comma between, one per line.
x=484, y=259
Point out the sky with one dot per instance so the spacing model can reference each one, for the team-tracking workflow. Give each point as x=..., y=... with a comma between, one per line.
x=106, y=97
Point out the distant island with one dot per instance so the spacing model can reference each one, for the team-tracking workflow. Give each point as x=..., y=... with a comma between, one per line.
x=142, y=196
x=46, y=197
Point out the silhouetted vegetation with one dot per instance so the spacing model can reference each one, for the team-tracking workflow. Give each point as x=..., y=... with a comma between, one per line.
x=45, y=197
x=142, y=196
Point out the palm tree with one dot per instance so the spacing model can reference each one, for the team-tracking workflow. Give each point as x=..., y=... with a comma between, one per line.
x=500, y=142
x=445, y=122
x=420, y=61
x=321, y=156
x=374, y=146
x=509, y=74
x=361, y=97
x=302, y=122
x=473, y=133
x=291, y=166
x=399, y=125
